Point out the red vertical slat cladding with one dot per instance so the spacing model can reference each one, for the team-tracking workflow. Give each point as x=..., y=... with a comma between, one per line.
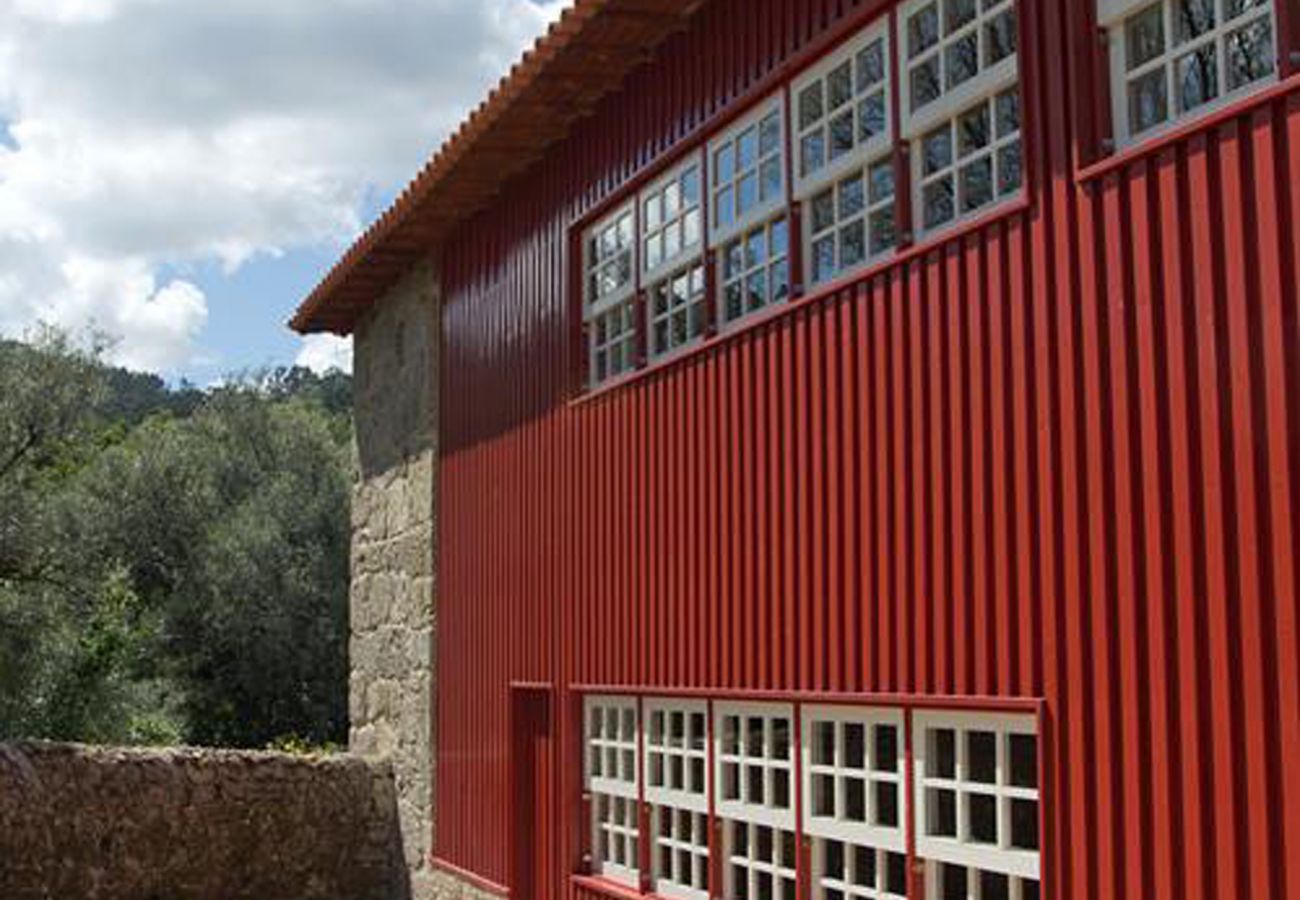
x=1055, y=457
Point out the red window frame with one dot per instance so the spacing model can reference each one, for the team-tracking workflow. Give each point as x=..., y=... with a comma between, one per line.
x=780, y=80
x=906, y=703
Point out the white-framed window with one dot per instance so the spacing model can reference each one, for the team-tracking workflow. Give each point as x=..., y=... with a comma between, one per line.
x=969, y=162
x=1172, y=60
x=672, y=223
x=842, y=109
x=977, y=804
x=855, y=801
x=755, y=270
x=677, y=787
x=677, y=309
x=760, y=862
x=609, y=294
x=961, y=110
x=851, y=222
x=845, y=173
x=612, y=779
x=755, y=762
x=747, y=171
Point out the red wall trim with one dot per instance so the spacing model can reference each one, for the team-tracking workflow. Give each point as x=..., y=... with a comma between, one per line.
x=471, y=878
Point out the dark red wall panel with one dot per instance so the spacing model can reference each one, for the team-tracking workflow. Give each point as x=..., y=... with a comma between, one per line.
x=1056, y=457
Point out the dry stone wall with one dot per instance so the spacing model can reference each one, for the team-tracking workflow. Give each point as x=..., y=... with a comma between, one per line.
x=80, y=823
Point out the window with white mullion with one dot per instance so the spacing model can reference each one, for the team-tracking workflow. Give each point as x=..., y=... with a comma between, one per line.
x=754, y=760
x=855, y=801
x=1175, y=59
x=676, y=766
x=969, y=162
x=672, y=224
x=755, y=270
x=677, y=309
x=954, y=52
x=760, y=862
x=609, y=294
x=747, y=172
x=612, y=780
x=842, y=110
x=851, y=223
x=977, y=804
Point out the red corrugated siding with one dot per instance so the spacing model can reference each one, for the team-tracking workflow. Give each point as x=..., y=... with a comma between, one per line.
x=1056, y=457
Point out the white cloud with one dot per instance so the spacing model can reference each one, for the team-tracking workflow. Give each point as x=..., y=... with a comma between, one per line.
x=325, y=352
x=163, y=133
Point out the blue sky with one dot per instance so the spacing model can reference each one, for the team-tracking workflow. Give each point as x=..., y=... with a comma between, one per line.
x=178, y=175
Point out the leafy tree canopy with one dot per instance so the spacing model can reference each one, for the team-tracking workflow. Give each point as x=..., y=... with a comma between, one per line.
x=173, y=561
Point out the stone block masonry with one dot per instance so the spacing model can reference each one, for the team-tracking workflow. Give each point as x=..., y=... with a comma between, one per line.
x=393, y=603
x=80, y=823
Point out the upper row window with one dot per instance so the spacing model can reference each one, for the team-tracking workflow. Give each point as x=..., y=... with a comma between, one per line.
x=1173, y=59
x=710, y=241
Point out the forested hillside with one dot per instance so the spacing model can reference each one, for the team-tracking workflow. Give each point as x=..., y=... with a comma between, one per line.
x=173, y=561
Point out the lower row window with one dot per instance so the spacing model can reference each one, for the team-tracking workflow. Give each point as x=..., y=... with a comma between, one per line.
x=970, y=161
x=962, y=786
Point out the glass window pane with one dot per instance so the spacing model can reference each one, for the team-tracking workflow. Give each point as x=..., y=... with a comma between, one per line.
x=839, y=85
x=922, y=30
x=936, y=150
x=1250, y=53
x=871, y=65
x=770, y=178
x=872, y=120
x=725, y=164
x=780, y=238
x=881, y=177
x=1197, y=75
x=853, y=244
x=841, y=134
x=884, y=232
x=852, y=197
x=769, y=135
x=1148, y=101
x=691, y=186
x=812, y=152
x=747, y=193
x=810, y=105
x=958, y=13
x=973, y=131
x=747, y=149
x=962, y=58
x=1000, y=38
x=1008, y=112
x=1192, y=18
x=925, y=83
x=823, y=211
x=1009, y=169
x=1144, y=36
x=977, y=184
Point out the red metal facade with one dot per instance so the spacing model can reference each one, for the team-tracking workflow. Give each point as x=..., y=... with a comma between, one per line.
x=1055, y=457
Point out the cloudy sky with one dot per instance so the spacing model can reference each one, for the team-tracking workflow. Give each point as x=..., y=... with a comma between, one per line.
x=178, y=174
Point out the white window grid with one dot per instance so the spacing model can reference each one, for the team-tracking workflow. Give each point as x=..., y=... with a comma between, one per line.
x=755, y=267
x=612, y=734
x=754, y=753
x=609, y=292
x=853, y=776
x=954, y=52
x=946, y=881
x=852, y=223
x=969, y=163
x=842, y=869
x=680, y=862
x=672, y=220
x=842, y=109
x=977, y=791
x=746, y=167
x=759, y=862
x=677, y=309
x=1175, y=60
x=617, y=838
x=676, y=753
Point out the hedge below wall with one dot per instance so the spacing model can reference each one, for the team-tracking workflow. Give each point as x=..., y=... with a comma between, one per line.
x=81, y=823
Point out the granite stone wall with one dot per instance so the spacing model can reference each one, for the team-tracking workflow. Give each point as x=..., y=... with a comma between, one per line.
x=80, y=823
x=393, y=579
